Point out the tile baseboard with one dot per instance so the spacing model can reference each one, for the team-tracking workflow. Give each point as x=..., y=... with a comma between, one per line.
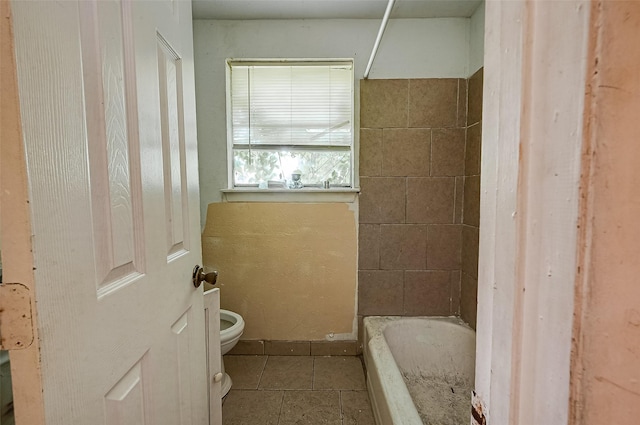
x=295, y=348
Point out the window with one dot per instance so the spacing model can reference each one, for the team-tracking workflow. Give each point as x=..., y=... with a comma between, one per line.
x=287, y=118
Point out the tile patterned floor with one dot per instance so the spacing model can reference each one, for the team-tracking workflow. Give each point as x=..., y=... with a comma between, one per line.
x=296, y=390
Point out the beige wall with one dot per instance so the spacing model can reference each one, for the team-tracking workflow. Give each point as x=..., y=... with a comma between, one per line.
x=288, y=269
x=606, y=357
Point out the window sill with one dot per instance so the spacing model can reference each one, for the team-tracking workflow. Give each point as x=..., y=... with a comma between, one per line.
x=290, y=195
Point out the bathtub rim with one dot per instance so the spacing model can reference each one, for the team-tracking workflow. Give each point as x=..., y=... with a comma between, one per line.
x=390, y=402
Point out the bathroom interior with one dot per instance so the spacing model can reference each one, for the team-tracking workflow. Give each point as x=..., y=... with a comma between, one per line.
x=304, y=270
x=345, y=292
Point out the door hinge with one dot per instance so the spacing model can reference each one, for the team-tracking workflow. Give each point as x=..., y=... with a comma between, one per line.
x=16, y=325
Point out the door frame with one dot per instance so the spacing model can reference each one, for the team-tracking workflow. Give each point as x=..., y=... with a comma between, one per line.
x=534, y=95
x=15, y=228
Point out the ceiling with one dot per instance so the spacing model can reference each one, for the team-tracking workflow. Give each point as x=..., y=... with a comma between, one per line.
x=330, y=9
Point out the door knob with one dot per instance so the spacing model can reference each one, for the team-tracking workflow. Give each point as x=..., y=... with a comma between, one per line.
x=199, y=276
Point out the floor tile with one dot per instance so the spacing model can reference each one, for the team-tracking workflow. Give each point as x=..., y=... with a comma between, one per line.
x=244, y=407
x=311, y=408
x=338, y=373
x=245, y=371
x=356, y=408
x=287, y=373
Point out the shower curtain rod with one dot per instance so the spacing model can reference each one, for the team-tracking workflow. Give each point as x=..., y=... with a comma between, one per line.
x=383, y=25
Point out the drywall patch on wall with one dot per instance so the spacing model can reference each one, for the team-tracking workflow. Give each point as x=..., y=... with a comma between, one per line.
x=288, y=269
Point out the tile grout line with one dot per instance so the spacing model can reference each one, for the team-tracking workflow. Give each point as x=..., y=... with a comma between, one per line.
x=264, y=366
x=341, y=407
x=281, y=407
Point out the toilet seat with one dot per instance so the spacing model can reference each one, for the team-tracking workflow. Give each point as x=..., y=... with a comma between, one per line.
x=230, y=336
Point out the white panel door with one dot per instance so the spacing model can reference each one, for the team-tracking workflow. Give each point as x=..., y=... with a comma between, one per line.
x=107, y=101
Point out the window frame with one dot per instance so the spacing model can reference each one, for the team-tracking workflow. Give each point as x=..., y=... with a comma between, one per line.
x=229, y=123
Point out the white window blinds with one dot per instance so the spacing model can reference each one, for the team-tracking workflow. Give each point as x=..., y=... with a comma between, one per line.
x=297, y=105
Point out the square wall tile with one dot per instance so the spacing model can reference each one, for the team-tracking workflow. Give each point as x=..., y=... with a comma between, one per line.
x=474, y=113
x=459, y=199
x=447, y=152
x=473, y=150
x=471, y=214
x=455, y=292
x=469, y=299
x=403, y=246
x=382, y=199
x=383, y=103
x=427, y=293
x=433, y=102
x=470, y=242
x=334, y=348
x=430, y=200
x=444, y=246
x=405, y=152
x=287, y=348
x=380, y=292
x=248, y=347
x=369, y=247
x=463, y=97
x=370, y=152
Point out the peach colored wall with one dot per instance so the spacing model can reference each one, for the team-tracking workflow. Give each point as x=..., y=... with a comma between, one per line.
x=606, y=358
x=288, y=268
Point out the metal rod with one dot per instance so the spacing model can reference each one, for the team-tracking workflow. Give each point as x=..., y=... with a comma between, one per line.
x=383, y=25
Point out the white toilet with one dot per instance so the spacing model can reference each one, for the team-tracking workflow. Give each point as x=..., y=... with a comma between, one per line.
x=231, y=328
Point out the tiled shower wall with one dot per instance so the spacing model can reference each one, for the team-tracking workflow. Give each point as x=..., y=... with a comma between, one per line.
x=412, y=179
x=412, y=143
x=471, y=216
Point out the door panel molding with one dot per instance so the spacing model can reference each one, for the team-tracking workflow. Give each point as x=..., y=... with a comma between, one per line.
x=127, y=403
x=173, y=149
x=113, y=142
x=182, y=331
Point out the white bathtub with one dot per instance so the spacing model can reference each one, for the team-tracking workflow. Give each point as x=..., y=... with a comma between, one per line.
x=420, y=370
